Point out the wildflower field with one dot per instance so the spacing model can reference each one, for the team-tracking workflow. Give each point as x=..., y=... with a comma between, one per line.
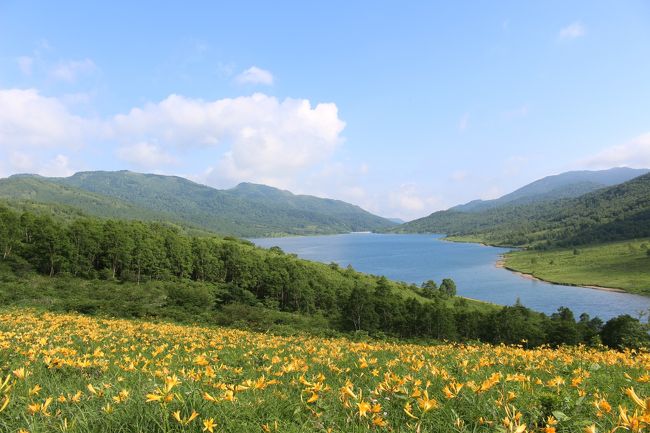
x=72, y=373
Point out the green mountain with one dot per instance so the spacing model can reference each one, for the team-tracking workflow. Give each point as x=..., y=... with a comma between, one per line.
x=565, y=185
x=614, y=213
x=246, y=210
x=32, y=191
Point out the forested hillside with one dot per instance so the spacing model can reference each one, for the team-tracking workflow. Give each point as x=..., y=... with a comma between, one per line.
x=614, y=213
x=137, y=269
x=246, y=210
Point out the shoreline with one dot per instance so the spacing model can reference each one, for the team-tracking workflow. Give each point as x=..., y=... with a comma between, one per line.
x=501, y=263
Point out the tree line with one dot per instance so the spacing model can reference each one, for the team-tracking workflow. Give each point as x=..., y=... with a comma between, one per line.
x=203, y=275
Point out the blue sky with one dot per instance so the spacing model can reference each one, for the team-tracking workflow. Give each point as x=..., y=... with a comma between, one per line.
x=403, y=108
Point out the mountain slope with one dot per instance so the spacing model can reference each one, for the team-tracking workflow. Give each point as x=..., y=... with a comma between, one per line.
x=30, y=190
x=613, y=213
x=565, y=185
x=246, y=210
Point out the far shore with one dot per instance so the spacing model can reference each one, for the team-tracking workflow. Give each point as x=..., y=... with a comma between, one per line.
x=501, y=263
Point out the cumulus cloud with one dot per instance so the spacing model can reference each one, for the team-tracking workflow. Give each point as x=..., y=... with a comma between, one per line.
x=263, y=138
x=145, y=155
x=635, y=154
x=26, y=162
x=32, y=128
x=255, y=75
x=69, y=71
x=408, y=202
x=257, y=138
x=572, y=31
x=58, y=166
x=28, y=119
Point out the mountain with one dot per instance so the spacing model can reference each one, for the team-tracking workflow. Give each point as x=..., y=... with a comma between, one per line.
x=247, y=210
x=565, y=185
x=397, y=220
x=29, y=191
x=612, y=213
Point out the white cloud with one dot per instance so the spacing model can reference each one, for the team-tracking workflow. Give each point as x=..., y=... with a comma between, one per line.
x=263, y=139
x=572, y=31
x=407, y=202
x=635, y=154
x=70, y=70
x=28, y=119
x=25, y=64
x=34, y=128
x=34, y=162
x=59, y=166
x=255, y=75
x=145, y=154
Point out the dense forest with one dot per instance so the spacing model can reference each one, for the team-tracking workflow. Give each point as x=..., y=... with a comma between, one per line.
x=615, y=213
x=138, y=269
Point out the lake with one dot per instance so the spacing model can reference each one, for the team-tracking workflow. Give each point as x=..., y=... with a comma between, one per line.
x=417, y=258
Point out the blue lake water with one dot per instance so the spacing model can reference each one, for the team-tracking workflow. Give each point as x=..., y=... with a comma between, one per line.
x=417, y=258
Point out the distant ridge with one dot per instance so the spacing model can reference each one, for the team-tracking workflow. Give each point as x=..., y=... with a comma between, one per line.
x=247, y=210
x=565, y=185
x=611, y=213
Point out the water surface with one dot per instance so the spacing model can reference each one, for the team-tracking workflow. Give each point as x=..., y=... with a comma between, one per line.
x=417, y=258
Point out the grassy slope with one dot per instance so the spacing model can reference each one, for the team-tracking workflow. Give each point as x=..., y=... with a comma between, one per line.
x=623, y=265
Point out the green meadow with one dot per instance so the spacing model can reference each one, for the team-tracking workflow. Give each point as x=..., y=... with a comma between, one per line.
x=621, y=265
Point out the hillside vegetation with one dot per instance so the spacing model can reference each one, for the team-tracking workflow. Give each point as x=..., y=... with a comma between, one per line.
x=136, y=269
x=65, y=372
x=609, y=214
x=247, y=210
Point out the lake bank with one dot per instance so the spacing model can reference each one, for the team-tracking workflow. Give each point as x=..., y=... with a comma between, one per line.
x=619, y=266
x=501, y=264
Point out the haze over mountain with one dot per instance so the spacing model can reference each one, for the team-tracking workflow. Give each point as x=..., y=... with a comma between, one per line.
x=544, y=213
x=246, y=210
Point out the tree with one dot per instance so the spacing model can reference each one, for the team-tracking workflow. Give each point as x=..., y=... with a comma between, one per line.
x=590, y=329
x=359, y=310
x=448, y=287
x=562, y=329
x=430, y=289
x=9, y=231
x=179, y=253
x=624, y=331
x=85, y=240
x=50, y=245
x=117, y=246
x=385, y=305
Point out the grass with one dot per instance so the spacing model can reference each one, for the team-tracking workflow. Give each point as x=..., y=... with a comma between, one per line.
x=72, y=373
x=465, y=239
x=623, y=265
